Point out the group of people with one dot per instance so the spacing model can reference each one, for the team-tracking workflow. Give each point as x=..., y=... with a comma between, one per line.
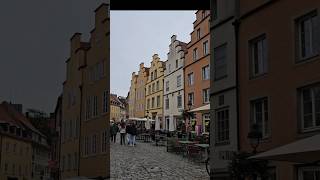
x=128, y=130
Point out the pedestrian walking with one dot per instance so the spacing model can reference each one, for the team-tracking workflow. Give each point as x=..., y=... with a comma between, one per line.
x=114, y=131
x=133, y=134
x=129, y=133
x=122, y=132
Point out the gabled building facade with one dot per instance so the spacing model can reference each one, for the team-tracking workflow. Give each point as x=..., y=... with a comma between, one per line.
x=85, y=103
x=173, y=92
x=132, y=95
x=140, y=90
x=197, y=70
x=154, y=89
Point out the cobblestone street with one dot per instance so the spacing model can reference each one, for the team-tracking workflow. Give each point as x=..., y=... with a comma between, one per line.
x=146, y=161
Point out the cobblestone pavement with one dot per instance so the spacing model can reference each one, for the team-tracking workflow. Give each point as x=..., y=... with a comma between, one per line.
x=146, y=161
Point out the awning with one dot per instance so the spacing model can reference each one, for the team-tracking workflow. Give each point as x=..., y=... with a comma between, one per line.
x=205, y=108
x=301, y=151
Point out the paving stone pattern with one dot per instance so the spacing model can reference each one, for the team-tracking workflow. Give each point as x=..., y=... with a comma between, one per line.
x=146, y=161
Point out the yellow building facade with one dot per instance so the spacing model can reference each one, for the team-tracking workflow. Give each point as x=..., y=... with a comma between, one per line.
x=132, y=95
x=115, y=112
x=140, y=91
x=85, y=104
x=154, y=89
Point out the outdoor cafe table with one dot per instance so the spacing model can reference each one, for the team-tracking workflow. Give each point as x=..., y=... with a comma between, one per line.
x=184, y=144
x=205, y=147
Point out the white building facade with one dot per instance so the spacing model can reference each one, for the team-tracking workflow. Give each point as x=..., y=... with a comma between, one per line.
x=173, y=91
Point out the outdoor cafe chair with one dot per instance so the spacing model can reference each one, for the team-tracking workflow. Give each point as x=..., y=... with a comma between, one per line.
x=194, y=153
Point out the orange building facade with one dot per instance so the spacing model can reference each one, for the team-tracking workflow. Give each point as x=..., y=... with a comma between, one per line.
x=197, y=69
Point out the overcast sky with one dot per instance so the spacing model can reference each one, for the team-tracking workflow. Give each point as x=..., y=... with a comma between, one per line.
x=34, y=45
x=137, y=35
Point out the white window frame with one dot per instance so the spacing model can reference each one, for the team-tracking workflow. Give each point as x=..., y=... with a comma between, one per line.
x=179, y=77
x=218, y=129
x=206, y=72
x=206, y=48
x=312, y=21
x=313, y=113
x=265, y=133
x=189, y=98
x=179, y=105
x=260, y=45
x=190, y=79
x=205, y=95
x=195, y=54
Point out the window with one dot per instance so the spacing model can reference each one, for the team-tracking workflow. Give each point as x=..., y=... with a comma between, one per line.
x=205, y=48
x=310, y=108
x=222, y=118
x=205, y=73
x=75, y=161
x=221, y=100
x=177, y=63
x=152, y=102
x=104, y=141
x=148, y=104
x=149, y=90
x=94, y=144
x=69, y=162
x=157, y=86
x=153, y=87
x=191, y=98
x=95, y=106
x=155, y=74
x=259, y=115
x=105, y=101
x=195, y=54
x=70, y=129
x=6, y=168
x=203, y=14
x=7, y=147
x=198, y=34
x=309, y=173
x=179, y=101
x=258, y=56
x=167, y=103
x=190, y=79
x=220, y=62
x=158, y=101
x=151, y=76
x=14, y=148
x=205, y=95
x=167, y=86
x=206, y=120
x=308, y=29
x=179, y=81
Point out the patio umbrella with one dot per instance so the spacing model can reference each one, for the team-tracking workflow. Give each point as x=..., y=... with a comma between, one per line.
x=157, y=126
x=171, y=124
x=147, y=124
x=306, y=150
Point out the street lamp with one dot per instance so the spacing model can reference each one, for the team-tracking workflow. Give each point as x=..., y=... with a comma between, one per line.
x=254, y=136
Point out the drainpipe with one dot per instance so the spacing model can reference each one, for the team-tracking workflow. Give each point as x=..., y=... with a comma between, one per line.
x=236, y=24
x=79, y=130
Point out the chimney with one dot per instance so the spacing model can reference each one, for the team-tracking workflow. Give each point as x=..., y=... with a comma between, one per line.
x=155, y=56
x=141, y=65
x=173, y=38
x=75, y=42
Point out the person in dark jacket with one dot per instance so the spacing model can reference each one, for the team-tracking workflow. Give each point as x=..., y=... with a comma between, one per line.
x=122, y=133
x=129, y=132
x=114, y=131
